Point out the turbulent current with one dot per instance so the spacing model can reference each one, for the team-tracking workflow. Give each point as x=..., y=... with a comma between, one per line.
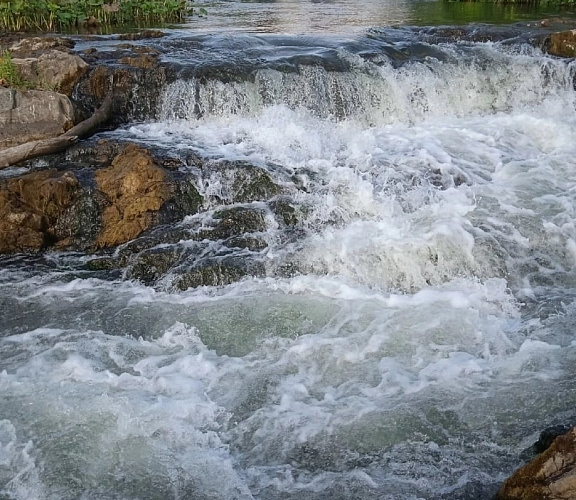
x=423, y=336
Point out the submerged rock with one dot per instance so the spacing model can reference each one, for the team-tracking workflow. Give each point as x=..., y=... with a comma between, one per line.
x=550, y=476
x=238, y=182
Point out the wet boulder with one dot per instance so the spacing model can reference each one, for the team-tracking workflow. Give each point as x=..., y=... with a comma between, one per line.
x=135, y=188
x=229, y=182
x=550, y=476
x=563, y=44
x=138, y=82
x=88, y=210
x=33, y=46
x=217, y=271
x=237, y=221
x=33, y=209
x=150, y=265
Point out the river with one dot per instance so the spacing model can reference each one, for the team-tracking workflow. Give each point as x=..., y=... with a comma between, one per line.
x=408, y=340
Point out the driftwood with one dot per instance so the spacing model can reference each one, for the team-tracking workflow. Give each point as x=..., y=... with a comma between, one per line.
x=34, y=149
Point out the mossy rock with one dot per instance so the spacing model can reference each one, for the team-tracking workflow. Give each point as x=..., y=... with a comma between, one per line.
x=287, y=212
x=150, y=265
x=237, y=221
x=248, y=242
x=241, y=182
x=218, y=272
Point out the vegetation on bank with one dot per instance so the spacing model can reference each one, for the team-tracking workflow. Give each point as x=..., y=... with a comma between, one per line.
x=540, y=3
x=63, y=15
x=9, y=75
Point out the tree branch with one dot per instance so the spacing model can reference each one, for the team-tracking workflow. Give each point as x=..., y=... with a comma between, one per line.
x=34, y=149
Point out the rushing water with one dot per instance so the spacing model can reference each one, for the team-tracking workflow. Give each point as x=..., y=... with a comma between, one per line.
x=424, y=339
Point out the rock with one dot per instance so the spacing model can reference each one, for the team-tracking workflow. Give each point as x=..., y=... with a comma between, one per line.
x=52, y=70
x=141, y=35
x=239, y=182
x=80, y=223
x=99, y=207
x=561, y=44
x=548, y=435
x=32, y=115
x=218, y=272
x=32, y=208
x=237, y=221
x=550, y=476
x=248, y=242
x=29, y=47
x=146, y=61
x=150, y=265
x=137, y=89
x=287, y=212
x=135, y=189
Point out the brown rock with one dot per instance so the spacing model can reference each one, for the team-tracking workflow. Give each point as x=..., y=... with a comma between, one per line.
x=550, y=476
x=32, y=115
x=145, y=61
x=31, y=206
x=563, y=44
x=135, y=188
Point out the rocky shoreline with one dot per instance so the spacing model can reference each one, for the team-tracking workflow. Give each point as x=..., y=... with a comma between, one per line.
x=128, y=208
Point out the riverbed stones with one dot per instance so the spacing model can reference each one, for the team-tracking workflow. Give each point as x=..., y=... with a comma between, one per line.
x=550, y=476
x=33, y=115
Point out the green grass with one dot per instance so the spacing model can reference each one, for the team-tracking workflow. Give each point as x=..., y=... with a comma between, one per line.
x=9, y=75
x=62, y=15
x=540, y=3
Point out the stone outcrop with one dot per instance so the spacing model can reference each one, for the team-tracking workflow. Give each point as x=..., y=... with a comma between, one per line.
x=550, y=476
x=32, y=115
x=135, y=188
x=52, y=70
x=64, y=210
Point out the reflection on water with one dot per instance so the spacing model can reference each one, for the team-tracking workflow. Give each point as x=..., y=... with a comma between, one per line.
x=346, y=16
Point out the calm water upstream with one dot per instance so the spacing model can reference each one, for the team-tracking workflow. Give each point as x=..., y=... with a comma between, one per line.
x=426, y=331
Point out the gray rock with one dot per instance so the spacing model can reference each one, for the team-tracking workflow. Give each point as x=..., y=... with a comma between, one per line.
x=52, y=70
x=33, y=115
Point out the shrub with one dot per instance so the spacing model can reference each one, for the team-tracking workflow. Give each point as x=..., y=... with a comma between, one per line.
x=9, y=75
x=51, y=15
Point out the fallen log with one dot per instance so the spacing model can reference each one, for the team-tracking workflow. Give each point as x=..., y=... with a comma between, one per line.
x=34, y=149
